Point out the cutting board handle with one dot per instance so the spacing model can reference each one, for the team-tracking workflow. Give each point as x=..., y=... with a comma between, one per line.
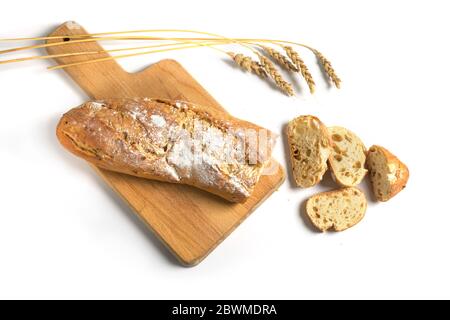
x=106, y=80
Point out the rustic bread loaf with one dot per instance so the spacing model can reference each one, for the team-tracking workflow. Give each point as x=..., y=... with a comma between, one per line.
x=338, y=210
x=348, y=157
x=169, y=141
x=387, y=173
x=309, y=145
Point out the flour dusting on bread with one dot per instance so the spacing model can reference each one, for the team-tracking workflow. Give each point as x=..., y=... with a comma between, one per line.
x=169, y=141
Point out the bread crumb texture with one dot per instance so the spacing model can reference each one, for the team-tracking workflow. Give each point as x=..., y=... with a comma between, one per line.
x=337, y=210
x=348, y=157
x=309, y=145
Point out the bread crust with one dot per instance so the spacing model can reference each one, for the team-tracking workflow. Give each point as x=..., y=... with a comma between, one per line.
x=144, y=138
x=401, y=173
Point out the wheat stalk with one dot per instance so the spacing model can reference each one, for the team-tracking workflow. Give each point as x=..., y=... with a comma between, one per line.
x=280, y=58
x=248, y=64
x=329, y=70
x=197, y=45
x=72, y=54
x=289, y=60
x=269, y=67
x=300, y=64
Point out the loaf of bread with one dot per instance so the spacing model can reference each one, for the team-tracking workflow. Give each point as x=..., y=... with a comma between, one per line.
x=338, y=210
x=387, y=173
x=348, y=157
x=170, y=141
x=310, y=147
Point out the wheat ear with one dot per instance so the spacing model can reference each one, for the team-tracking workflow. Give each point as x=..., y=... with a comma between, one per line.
x=248, y=64
x=280, y=58
x=300, y=64
x=269, y=67
x=328, y=69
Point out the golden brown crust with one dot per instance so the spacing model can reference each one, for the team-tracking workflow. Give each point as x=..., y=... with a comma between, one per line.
x=401, y=173
x=145, y=138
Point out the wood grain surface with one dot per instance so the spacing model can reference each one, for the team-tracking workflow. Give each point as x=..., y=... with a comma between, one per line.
x=190, y=222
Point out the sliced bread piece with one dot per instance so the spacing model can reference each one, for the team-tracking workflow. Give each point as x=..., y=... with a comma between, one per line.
x=388, y=174
x=339, y=209
x=309, y=144
x=347, y=158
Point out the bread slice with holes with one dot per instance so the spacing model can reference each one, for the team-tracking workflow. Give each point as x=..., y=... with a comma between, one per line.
x=387, y=173
x=309, y=144
x=348, y=157
x=337, y=210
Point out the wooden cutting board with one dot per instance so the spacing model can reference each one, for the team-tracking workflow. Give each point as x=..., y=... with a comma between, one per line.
x=190, y=222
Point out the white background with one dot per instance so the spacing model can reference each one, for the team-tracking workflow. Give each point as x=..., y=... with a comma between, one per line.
x=64, y=234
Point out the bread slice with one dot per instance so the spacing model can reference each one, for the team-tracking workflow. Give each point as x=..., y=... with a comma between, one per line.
x=348, y=157
x=339, y=209
x=388, y=174
x=309, y=144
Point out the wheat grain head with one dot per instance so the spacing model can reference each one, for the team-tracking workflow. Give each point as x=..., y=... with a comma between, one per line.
x=300, y=65
x=272, y=71
x=248, y=64
x=280, y=58
x=329, y=70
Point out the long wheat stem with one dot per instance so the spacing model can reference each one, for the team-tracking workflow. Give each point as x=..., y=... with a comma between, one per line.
x=92, y=37
x=52, y=56
x=102, y=34
x=133, y=55
x=87, y=40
